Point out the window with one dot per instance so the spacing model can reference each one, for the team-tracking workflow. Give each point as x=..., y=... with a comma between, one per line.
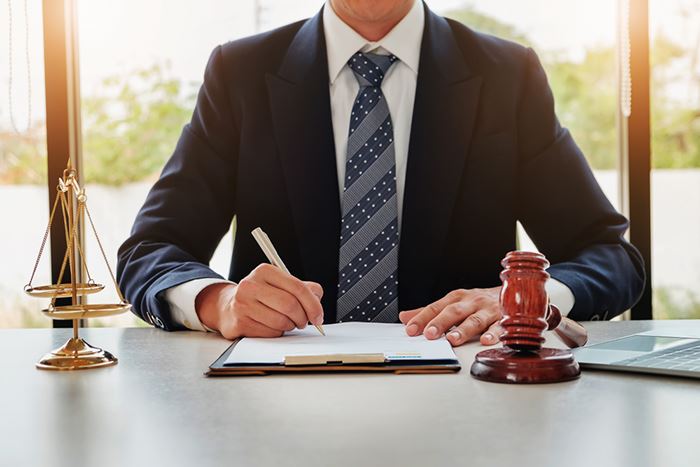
x=23, y=183
x=675, y=100
x=139, y=79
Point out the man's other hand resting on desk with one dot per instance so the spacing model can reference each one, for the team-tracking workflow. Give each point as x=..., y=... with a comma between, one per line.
x=472, y=312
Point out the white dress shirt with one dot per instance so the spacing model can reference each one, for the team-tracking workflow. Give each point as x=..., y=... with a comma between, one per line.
x=399, y=88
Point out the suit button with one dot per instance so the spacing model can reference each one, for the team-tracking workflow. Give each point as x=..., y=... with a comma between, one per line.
x=158, y=322
x=595, y=318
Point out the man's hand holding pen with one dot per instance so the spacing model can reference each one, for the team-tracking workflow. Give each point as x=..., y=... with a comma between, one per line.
x=266, y=303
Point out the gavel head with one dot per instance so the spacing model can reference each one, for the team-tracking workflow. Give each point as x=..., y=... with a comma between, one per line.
x=523, y=299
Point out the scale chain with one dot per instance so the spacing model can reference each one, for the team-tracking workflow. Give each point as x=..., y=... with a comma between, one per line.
x=81, y=218
x=43, y=243
x=104, y=255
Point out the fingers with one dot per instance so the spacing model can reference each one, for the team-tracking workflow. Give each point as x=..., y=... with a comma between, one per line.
x=264, y=297
x=315, y=288
x=250, y=328
x=448, y=317
x=240, y=324
x=305, y=293
x=267, y=316
x=493, y=334
x=416, y=324
x=406, y=316
x=473, y=325
x=281, y=302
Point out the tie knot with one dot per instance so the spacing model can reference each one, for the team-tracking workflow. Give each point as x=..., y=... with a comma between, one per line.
x=370, y=68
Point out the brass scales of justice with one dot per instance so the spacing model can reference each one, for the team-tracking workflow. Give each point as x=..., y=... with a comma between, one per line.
x=76, y=354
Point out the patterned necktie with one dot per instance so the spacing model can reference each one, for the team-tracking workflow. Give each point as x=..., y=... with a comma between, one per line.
x=369, y=237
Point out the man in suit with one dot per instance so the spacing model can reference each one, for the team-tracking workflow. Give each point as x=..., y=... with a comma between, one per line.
x=388, y=153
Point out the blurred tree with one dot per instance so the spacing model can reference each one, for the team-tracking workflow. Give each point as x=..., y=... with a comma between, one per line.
x=585, y=93
x=675, y=119
x=675, y=303
x=23, y=156
x=130, y=129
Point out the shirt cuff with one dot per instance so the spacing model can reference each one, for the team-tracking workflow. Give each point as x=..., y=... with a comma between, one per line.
x=560, y=295
x=181, y=300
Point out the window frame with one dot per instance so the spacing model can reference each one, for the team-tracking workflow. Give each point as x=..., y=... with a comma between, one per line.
x=636, y=157
x=63, y=129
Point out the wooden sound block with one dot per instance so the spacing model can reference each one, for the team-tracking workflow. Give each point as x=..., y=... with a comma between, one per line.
x=506, y=365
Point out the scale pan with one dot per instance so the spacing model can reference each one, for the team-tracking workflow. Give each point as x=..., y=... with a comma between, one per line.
x=63, y=290
x=86, y=310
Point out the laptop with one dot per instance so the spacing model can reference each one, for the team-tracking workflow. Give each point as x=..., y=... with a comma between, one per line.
x=657, y=352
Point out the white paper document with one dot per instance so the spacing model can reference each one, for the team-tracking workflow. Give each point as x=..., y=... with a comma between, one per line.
x=343, y=338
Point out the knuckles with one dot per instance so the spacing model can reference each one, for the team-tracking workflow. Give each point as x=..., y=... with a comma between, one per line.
x=263, y=269
x=433, y=309
x=282, y=324
x=316, y=289
x=477, y=321
x=288, y=306
x=245, y=286
x=458, y=294
x=481, y=300
x=456, y=310
x=299, y=288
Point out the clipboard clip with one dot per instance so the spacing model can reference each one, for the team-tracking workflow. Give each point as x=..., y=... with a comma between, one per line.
x=334, y=359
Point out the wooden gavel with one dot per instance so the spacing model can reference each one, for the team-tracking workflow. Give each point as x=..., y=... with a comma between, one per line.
x=527, y=313
x=571, y=333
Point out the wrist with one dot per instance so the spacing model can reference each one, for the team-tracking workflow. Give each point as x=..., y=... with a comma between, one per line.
x=211, y=301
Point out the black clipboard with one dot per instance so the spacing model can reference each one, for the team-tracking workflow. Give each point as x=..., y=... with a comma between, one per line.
x=349, y=363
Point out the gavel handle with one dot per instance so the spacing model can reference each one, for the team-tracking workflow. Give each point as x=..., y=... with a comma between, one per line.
x=568, y=330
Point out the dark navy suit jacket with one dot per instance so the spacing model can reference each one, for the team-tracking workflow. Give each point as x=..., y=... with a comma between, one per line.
x=486, y=150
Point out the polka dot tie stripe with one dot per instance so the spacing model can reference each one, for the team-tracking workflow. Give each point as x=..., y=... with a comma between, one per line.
x=369, y=238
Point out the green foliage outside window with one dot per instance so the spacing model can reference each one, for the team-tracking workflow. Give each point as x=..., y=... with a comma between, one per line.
x=23, y=156
x=586, y=96
x=131, y=128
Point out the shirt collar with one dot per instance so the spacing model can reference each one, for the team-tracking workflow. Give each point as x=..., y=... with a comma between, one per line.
x=404, y=40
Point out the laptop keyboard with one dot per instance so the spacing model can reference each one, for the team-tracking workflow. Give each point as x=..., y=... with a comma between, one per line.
x=684, y=357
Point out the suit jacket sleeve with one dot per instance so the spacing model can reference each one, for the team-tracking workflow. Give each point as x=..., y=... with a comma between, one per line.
x=189, y=208
x=565, y=212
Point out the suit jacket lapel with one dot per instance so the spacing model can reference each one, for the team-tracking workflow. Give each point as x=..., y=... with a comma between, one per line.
x=300, y=108
x=443, y=117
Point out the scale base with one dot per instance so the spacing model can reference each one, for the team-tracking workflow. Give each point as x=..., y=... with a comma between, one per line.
x=505, y=365
x=76, y=354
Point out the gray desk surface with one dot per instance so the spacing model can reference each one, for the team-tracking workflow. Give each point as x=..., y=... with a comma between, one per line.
x=156, y=408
